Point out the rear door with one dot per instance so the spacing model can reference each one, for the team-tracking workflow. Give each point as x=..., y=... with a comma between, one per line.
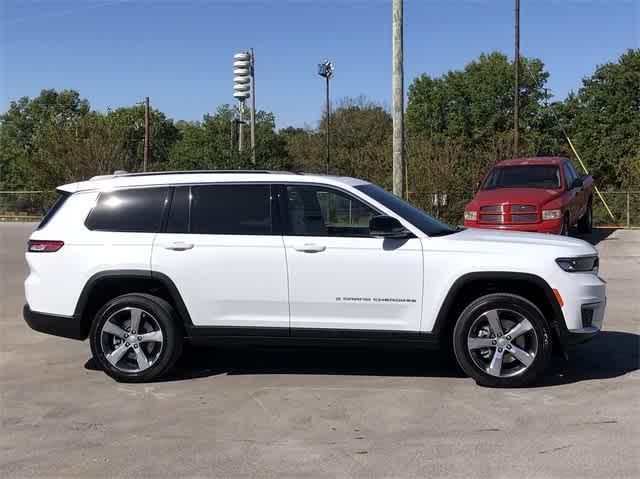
x=341, y=278
x=222, y=248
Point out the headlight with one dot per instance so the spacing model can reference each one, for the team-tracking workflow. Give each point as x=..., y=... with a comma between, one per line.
x=551, y=214
x=471, y=215
x=581, y=264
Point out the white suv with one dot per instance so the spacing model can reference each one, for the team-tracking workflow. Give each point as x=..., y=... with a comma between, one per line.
x=141, y=262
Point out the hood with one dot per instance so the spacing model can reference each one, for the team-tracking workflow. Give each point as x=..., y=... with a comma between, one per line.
x=534, y=196
x=522, y=242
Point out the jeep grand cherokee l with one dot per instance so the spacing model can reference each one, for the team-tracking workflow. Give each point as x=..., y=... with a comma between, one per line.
x=139, y=263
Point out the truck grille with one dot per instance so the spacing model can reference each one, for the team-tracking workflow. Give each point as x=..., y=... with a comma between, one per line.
x=508, y=214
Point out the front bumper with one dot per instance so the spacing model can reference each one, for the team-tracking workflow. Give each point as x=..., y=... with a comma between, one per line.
x=584, y=307
x=548, y=226
x=64, y=326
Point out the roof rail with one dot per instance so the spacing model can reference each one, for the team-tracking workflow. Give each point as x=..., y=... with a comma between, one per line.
x=120, y=173
x=188, y=172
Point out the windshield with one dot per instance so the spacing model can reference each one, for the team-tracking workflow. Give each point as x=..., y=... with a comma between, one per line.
x=525, y=176
x=418, y=218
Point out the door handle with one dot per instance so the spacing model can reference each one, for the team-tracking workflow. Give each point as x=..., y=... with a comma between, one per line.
x=178, y=246
x=309, y=247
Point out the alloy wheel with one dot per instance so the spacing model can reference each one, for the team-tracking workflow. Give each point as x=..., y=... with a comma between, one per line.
x=131, y=340
x=502, y=342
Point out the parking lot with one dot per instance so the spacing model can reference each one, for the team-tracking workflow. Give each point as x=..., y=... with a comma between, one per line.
x=286, y=413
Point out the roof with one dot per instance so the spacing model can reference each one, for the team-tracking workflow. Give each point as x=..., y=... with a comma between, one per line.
x=122, y=179
x=535, y=160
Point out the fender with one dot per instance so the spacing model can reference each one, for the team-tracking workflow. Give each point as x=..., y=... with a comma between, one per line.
x=161, y=278
x=443, y=319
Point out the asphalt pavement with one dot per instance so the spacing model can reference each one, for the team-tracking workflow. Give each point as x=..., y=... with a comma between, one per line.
x=320, y=413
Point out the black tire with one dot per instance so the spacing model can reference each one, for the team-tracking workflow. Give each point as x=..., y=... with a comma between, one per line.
x=508, y=304
x=585, y=225
x=155, y=312
x=565, y=226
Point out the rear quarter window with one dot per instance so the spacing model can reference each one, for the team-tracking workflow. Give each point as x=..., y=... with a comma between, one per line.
x=57, y=204
x=132, y=210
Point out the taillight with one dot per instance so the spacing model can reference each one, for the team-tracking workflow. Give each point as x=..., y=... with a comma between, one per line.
x=44, y=246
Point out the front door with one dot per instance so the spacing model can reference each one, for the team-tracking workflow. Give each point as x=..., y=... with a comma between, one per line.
x=341, y=278
x=224, y=253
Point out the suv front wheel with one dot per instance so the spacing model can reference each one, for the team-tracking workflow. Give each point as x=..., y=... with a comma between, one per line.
x=135, y=337
x=502, y=340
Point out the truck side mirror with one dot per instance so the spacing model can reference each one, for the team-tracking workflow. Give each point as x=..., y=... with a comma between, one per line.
x=577, y=183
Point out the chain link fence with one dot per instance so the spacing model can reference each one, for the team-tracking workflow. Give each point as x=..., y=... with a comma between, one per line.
x=25, y=205
x=625, y=206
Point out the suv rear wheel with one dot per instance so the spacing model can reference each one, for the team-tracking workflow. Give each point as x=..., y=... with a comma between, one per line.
x=502, y=340
x=135, y=337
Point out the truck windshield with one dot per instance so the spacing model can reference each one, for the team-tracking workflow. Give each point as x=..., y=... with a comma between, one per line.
x=524, y=176
x=418, y=218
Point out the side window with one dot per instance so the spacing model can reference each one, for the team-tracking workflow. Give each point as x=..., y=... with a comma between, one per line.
x=317, y=211
x=569, y=173
x=134, y=211
x=231, y=209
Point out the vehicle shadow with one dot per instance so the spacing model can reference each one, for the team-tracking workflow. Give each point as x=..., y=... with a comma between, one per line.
x=596, y=236
x=610, y=354
x=359, y=361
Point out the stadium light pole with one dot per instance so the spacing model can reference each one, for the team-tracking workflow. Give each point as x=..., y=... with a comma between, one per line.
x=326, y=70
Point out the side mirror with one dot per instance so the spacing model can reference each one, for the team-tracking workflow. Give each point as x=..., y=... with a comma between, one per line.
x=577, y=183
x=387, y=227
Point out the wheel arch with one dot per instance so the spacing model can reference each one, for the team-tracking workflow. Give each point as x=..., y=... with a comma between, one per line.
x=473, y=285
x=106, y=285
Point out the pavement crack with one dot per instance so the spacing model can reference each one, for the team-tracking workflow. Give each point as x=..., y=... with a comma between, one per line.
x=555, y=449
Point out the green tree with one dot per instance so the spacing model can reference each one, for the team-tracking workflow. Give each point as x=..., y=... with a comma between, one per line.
x=129, y=122
x=23, y=126
x=360, y=142
x=361, y=132
x=603, y=119
x=474, y=106
x=213, y=144
x=92, y=147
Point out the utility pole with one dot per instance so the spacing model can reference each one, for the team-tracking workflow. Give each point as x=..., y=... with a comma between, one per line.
x=398, y=100
x=252, y=93
x=326, y=70
x=516, y=98
x=146, y=135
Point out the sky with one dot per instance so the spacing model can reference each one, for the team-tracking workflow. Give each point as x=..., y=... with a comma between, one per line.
x=179, y=52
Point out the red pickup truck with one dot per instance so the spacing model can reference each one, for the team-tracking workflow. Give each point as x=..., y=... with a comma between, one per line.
x=545, y=195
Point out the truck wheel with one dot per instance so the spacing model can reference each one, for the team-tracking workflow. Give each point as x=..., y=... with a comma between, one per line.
x=502, y=340
x=585, y=225
x=136, y=337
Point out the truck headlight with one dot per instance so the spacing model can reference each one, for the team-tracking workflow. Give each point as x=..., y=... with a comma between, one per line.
x=471, y=215
x=579, y=264
x=551, y=214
